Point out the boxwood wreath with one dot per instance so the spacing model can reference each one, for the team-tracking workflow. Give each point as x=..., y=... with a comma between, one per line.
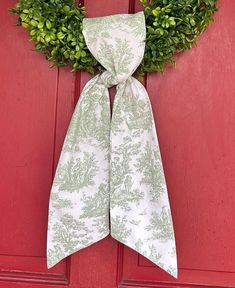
x=56, y=28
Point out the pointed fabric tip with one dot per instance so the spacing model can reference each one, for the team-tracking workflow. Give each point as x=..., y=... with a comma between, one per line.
x=112, y=165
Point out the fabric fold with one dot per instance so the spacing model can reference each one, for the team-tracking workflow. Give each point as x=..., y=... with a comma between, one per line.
x=111, y=167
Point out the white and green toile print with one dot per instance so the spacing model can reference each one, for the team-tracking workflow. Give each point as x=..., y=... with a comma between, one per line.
x=110, y=179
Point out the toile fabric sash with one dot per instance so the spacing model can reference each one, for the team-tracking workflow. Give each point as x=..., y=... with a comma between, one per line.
x=109, y=178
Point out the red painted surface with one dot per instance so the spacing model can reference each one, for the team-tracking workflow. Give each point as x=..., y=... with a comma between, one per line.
x=194, y=109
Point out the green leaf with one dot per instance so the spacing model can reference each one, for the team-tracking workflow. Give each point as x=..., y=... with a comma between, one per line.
x=34, y=23
x=33, y=32
x=192, y=22
x=40, y=25
x=48, y=24
x=66, y=8
x=47, y=38
x=23, y=17
x=60, y=35
x=83, y=54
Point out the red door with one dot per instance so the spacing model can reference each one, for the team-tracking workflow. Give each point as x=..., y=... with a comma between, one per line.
x=194, y=108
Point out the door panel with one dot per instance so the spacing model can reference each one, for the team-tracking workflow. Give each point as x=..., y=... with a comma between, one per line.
x=28, y=111
x=193, y=106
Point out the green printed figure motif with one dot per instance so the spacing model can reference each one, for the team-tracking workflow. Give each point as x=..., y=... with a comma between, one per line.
x=110, y=179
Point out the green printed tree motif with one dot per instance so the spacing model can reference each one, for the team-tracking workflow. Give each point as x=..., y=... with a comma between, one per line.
x=154, y=255
x=76, y=173
x=83, y=127
x=124, y=195
x=134, y=112
x=54, y=254
x=119, y=229
x=136, y=24
x=105, y=26
x=116, y=59
x=139, y=245
x=151, y=168
x=102, y=224
x=60, y=203
x=70, y=233
x=152, y=251
x=94, y=115
x=123, y=56
x=97, y=207
x=161, y=226
x=120, y=163
x=105, y=53
x=139, y=117
x=98, y=27
x=117, y=117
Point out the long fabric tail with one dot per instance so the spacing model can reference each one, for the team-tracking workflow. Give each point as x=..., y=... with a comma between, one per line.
x=139, y=204
x=79, y=201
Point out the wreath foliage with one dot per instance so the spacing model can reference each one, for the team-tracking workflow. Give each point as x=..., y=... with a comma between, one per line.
x=56, y=28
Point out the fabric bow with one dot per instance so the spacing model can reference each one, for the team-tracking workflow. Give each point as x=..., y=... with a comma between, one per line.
x=109, y=178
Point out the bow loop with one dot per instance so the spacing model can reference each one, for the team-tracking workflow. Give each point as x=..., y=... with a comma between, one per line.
x=117, y=42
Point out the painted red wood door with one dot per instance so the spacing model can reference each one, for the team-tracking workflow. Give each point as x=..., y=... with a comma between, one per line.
x=194, y=108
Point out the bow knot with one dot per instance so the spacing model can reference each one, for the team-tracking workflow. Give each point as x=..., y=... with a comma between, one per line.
x=108, y=79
